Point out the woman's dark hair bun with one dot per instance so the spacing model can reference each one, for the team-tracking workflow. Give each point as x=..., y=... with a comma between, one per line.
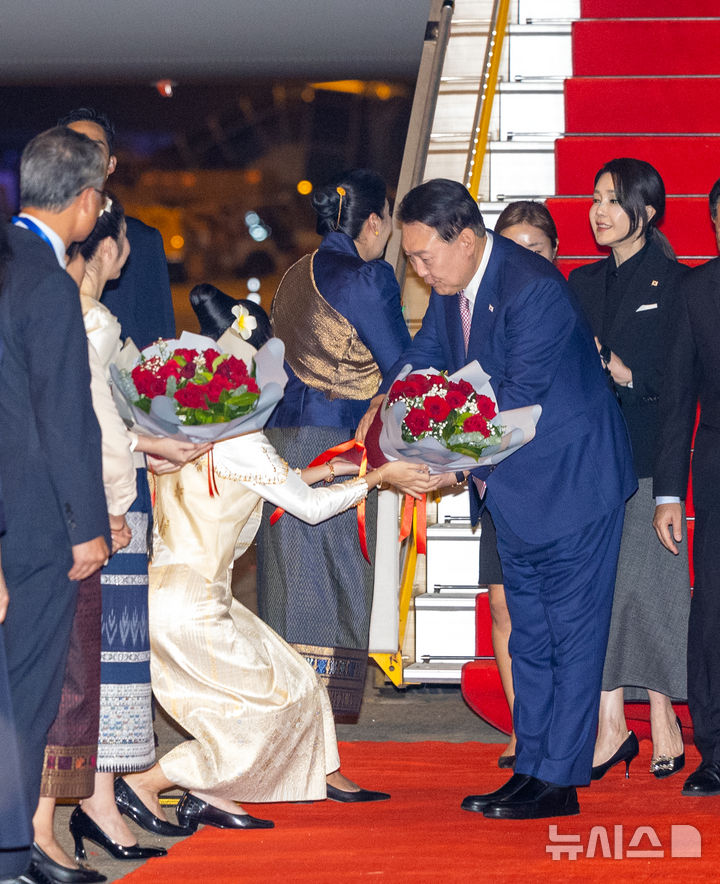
x=347, y=202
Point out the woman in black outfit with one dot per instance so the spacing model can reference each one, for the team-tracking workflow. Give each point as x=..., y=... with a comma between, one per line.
x=628, y=298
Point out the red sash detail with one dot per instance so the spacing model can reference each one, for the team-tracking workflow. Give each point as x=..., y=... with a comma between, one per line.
x=413, y=505
x=350, y=445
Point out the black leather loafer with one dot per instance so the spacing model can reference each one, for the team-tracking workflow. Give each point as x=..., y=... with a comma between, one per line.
x=704, y=781
x=129, y=804
x=535, y=800
x=478, y=803
x=192, y=811
x=349, y=797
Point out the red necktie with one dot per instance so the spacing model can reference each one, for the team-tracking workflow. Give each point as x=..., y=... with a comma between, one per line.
x=465, y=317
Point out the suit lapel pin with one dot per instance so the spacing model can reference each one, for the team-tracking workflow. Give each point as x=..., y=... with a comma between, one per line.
x=654, y=282
x=490, y=308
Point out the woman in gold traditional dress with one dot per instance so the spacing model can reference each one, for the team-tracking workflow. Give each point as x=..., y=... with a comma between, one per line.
x=260, y=718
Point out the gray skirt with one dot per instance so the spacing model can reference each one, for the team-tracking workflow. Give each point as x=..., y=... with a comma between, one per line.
x=314, y=586
x=647, y=647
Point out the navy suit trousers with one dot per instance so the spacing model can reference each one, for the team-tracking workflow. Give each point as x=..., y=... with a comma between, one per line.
x=559, y=595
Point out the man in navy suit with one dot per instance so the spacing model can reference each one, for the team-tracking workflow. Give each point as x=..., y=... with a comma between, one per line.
x=50, y=457
x=558, y=502
x=141, y=297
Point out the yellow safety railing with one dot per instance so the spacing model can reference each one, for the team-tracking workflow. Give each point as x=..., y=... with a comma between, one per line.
x=488, y=86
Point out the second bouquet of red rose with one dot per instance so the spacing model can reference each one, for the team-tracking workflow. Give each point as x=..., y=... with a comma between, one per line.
x=191, y=387
x=451, y=422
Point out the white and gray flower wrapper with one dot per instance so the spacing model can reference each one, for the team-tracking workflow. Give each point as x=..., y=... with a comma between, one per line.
x=451, y=422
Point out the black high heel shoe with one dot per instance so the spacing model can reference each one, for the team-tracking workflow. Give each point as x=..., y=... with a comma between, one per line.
x=347, y=797
x=43, y=868
x=129, y=804
x=627, y=751
x=191, y=811
x=666, y=765
x=82, y=826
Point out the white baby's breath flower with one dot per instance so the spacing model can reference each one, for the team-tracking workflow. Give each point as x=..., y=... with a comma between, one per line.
x=245, y=324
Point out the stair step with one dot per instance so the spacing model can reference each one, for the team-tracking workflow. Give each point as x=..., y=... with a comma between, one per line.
x=687, y=164
x=439, y=672
x=647, y=8
x=642, y=47
x=686, y=224
x=673, y=105
x=445, y=625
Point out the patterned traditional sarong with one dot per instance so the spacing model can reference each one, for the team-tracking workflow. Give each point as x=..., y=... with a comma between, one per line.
x=126, y=741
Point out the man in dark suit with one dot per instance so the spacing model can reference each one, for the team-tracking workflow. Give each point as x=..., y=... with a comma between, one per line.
x=693, y=373
x=557, y=502
x=50, y=461
x=141, y=297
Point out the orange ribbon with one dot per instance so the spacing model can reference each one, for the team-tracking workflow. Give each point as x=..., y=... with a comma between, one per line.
x=324, y=458
x=413, y=505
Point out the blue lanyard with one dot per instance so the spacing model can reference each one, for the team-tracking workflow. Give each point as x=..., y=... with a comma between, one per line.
x=32, y=226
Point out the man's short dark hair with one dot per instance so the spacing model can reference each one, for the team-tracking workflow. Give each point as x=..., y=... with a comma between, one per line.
x=714, y=197
x=56, y=166
x=444, y=205
x=100, y=119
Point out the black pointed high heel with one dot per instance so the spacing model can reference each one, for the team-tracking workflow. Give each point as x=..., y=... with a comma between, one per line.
x=82, y=826
x=191, y=811
x=627, y=751
x=43, y=868
x=666, y=765
x=129, y=804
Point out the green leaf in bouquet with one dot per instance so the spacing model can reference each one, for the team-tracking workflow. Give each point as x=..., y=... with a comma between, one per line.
x=144, y=402
x=219, y=360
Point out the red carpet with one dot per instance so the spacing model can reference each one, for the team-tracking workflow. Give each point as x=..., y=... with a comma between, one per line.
x=646, y=8
x=637, y=48
x=641, y=105
x=421, y=835
x=688, y=164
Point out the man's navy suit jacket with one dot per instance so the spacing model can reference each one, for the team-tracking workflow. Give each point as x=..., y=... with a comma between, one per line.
x=528, y=333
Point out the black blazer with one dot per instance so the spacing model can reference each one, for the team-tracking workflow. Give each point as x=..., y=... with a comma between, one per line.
x=693, y=373
x=639, y=336
x=50, y=457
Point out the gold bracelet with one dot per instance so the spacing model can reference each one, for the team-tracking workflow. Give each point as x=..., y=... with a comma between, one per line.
x=331, y=478
x=380, y=483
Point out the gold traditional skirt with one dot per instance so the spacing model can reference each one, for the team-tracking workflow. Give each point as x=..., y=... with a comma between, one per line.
x=260, y=719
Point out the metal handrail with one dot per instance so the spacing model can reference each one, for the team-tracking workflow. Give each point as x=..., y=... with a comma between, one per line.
x=488, y=86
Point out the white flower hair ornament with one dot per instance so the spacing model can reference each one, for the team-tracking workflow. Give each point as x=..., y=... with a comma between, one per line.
x=245, y=324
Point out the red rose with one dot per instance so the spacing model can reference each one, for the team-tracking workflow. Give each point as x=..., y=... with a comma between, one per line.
x=170, y=369
x=251, y=385
x=465, y=387
x=216, y=386
x=192, y=396
x=437, y=408
x=147, y=383
x=422, y=383
x=184, y=354
x=397, y=391
x=210, y=357
x=417, y=421
x=455, y=398
x=486, y=407
x=437, y=380
x=476, y=423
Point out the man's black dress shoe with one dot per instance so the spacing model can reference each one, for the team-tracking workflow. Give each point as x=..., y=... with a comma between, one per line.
x=704, y=781
x=83, y=826
x=478, y=803
x=349, y=797
x=535, y=800
x=129, y=804
x=191, y=811
x=43, y=868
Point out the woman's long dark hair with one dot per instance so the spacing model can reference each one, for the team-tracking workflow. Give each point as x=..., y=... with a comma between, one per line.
x=213, y=308
x=347, y=203
x=637, y=184
x=109, y=224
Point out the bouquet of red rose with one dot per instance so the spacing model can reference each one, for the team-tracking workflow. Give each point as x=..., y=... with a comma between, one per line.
x=451, y=423
x=191, y=387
